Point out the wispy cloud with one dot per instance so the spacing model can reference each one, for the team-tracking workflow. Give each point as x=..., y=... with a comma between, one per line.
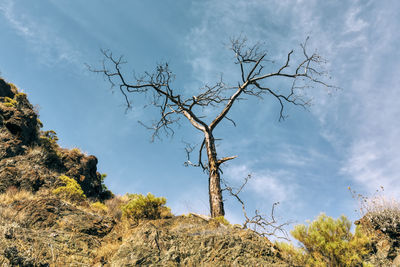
x=363, y=120
x=7, y=8
x=360, y=40
x=50, y=46
x=266, y=184
x=373, y=158
x=353, y=21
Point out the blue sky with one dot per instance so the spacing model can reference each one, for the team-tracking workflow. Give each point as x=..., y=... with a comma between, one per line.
x=349, y=137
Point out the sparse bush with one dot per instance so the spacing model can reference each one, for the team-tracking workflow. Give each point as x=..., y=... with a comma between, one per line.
x=145, y=207
x=222, y=220
x=329, y=242
x=114, y=207
x=50, y=135
x=71, y=189
x=48, y=140
x=99, y=207
x=76, y=151
x=380, y=212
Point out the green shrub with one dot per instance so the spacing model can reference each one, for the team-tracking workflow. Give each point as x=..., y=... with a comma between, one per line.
x=48, y=139
x=71, y=189
x=292, y=255
x=329, y=242
x=9, y=102
x=13, y=102
x=145, y=207
x=103, y=176
x=50, y=135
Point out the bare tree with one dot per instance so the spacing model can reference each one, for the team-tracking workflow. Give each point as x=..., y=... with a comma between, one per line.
x=251, y=60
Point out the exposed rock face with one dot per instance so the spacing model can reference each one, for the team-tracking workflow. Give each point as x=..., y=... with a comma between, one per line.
x=193, y=241
x=384, y=228
x=6, y=90
x=40, y=230
x=30, y=159
x=46, y=231
x=18, y=122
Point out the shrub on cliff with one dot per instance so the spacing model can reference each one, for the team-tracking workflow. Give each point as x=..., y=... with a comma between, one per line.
x=71, y=190
x=379, y=212
x=145, y=207
x=328, y=242
x=48, y=139
x=9, y=102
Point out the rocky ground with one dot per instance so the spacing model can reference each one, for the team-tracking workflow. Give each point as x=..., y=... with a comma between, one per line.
x=38, y=230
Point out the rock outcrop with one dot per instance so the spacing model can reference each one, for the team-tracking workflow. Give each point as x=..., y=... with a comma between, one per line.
x=384, y=228
x=41, y=230
x=30, y=159
x=194, y=241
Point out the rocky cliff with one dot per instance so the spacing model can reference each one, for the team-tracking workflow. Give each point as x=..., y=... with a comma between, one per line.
x=30, y=159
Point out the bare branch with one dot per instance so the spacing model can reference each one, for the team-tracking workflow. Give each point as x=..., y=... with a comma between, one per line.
x=229, y=119
x=260, y=224
x=220, y=161
x=189, y=148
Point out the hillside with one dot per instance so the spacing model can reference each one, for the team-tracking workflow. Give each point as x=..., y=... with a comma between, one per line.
x=56, y=211
x=40, y=227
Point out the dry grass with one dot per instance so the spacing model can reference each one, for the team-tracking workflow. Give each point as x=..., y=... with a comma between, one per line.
x=111, y=244
x=14, y=194
x=56, y=247
x=114, y=206
x=106, y=251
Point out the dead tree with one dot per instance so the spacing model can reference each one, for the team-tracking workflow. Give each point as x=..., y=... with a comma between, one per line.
x=173, y=104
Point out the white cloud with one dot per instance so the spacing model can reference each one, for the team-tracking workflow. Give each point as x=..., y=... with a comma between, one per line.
x=266, y=184
x=51, y=48
x=353, y=22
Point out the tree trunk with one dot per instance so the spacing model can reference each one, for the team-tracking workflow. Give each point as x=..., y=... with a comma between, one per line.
x=214, y=180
